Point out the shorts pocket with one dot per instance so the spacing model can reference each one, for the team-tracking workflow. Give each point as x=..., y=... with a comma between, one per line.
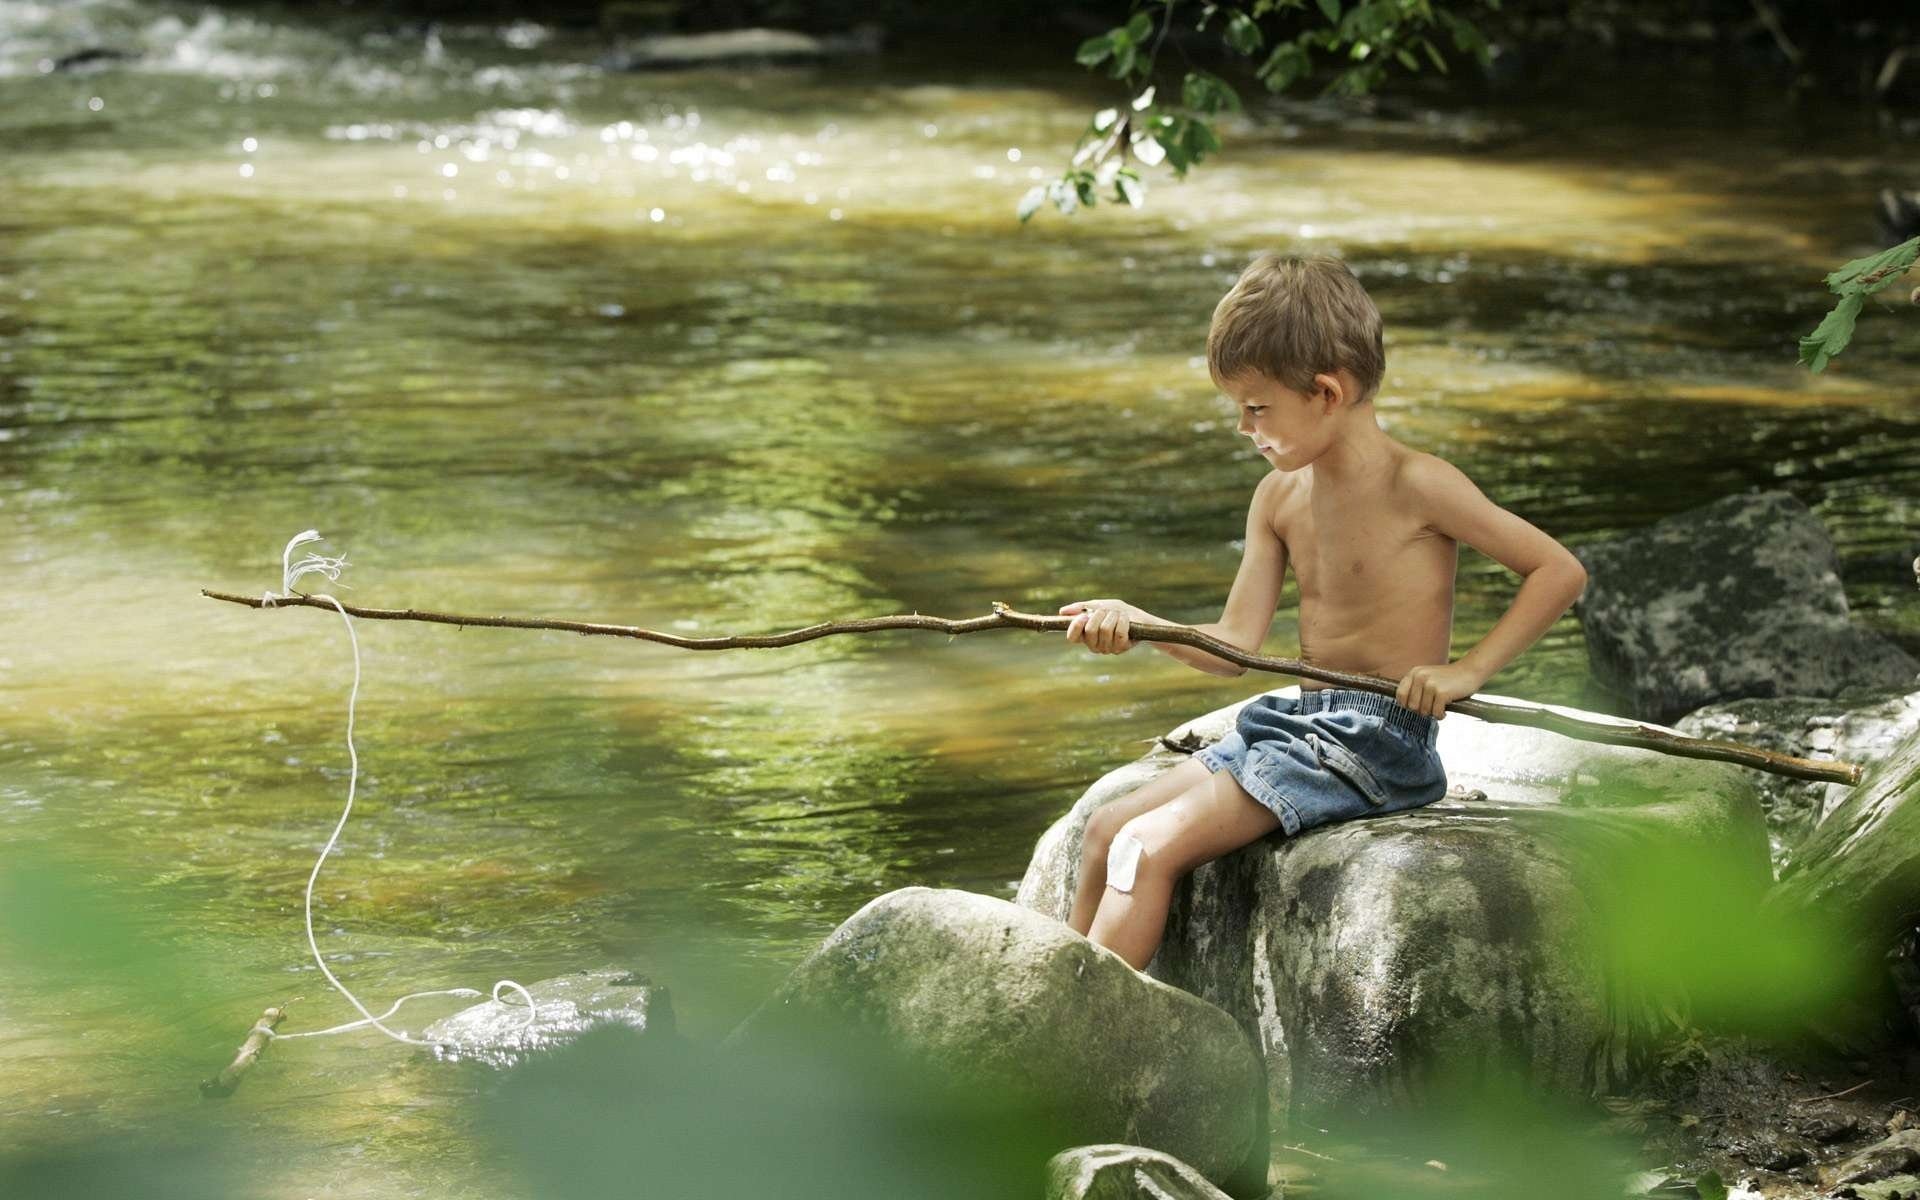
x=1347, y=765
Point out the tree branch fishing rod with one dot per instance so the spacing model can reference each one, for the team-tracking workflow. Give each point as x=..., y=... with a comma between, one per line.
x=1554, y=720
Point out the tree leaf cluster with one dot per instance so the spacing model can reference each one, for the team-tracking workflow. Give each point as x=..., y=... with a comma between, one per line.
x=1352, y=45
x=1853, y=283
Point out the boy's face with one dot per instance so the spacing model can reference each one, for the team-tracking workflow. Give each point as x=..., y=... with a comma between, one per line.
x=1289, y=429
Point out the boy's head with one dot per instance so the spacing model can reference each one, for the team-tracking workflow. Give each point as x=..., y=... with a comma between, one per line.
x=1293, y=318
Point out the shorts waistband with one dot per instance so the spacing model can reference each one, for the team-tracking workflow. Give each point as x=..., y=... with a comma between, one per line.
x=1398, y=716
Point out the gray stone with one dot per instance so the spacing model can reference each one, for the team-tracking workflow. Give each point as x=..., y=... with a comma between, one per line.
x=1116, y=1172
x=1897, y=1155
x=496, y=1032
x=1369, y=957
x=1860, y=868
x=1860, y=726
x=998, y=1000
x=1739, y=598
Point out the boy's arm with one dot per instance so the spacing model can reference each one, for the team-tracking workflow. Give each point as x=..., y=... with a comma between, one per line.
x=1251, y=602
x=1552, y=579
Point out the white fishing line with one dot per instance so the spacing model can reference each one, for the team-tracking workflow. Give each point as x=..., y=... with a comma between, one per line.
x=290, y=573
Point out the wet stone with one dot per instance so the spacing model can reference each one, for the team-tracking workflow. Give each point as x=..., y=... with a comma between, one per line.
x=496, y=1032
x=1897, y=1155
x=1860, y=726
x=1739, y=598
x=1368, y=958
x=1116, y=1172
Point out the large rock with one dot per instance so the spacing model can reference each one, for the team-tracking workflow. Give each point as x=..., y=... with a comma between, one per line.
x=496, y=1032
x=1370, y=958
x=1000, y=1001
x=1861, y=867
x=1739, y=598
x=1115, y=1172
x=1859, y=726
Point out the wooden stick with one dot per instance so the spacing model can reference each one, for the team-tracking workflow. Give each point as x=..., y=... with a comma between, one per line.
x=228, y=1079
x=1644, y=737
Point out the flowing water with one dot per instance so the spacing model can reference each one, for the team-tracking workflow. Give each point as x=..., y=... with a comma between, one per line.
x=734, y=352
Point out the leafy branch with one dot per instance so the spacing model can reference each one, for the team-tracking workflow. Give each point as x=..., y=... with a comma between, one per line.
x=1289, y=40
x=1854, y=282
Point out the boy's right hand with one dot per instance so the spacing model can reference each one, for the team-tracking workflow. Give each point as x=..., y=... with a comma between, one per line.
x=1101, y=625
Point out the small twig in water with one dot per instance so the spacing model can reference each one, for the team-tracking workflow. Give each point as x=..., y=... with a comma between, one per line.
x=228, y=1079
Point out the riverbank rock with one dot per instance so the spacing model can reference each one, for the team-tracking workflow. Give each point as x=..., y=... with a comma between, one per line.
x=1371, y=958
x=1860, y=726
x=1860, y=869
x=495, y=1032
x=1000, y=1001
x=1114, y=1172
x=1739, y=598
x=740, y=47
x=1896, y=1155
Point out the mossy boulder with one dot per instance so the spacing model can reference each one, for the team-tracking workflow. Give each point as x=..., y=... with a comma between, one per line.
x=995, y=1000
x=1739, y=598
x=1370, y=958
x=1860, y=726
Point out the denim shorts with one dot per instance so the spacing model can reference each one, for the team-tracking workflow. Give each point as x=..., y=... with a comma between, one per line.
x=1331, y=754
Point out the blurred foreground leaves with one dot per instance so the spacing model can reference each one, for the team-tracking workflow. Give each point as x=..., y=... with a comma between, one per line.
x=830, y=1115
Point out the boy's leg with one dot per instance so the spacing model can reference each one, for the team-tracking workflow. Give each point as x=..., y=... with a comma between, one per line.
x=1213, y=818
x=1105, y=822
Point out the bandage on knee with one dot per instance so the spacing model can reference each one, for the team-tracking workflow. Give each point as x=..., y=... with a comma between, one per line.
x=1123, y=859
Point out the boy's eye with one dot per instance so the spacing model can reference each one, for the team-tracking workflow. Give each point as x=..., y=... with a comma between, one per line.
x=1256, y=409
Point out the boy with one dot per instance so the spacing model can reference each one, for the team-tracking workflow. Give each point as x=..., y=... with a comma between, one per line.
x=1371, y=529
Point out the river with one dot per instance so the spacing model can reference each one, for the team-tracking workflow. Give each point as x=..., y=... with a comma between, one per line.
x=736, y=352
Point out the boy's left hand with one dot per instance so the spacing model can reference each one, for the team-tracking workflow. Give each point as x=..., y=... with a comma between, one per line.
x=1430, y=689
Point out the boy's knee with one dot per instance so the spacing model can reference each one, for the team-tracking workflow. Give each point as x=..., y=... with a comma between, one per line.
x=1102, y=825
x=1123, y=859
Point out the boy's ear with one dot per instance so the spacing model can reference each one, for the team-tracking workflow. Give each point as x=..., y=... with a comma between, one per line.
x=1331, y=390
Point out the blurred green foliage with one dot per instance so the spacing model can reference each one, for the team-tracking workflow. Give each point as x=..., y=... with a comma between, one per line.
x=827, y=1115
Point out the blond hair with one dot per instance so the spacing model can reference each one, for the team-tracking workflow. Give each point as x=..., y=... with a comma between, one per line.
x=1293, y=318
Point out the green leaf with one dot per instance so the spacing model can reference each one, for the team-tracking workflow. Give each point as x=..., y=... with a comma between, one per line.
x=1124, y=55
x=1205, y=92
x=1888, y=265
x=1433, y=56
x=1831, y=336
x=1288, y=64
x=1243, y=36
x=1331, y=9
x=1711, y=1186
x=1093, y=51
x=1031, y=202
x=1407, y=59
x=1128, y=187
x=1140, y=28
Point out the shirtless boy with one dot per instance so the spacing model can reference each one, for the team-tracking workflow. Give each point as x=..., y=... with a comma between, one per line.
x=1371, y=529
